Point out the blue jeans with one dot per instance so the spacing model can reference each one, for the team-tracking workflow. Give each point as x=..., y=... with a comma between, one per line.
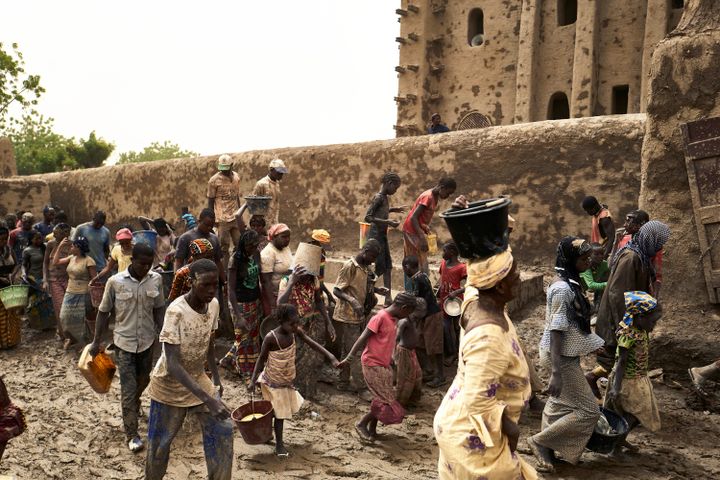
x=165, y=422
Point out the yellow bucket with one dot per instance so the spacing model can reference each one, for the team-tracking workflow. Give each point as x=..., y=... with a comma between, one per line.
x=432, y=243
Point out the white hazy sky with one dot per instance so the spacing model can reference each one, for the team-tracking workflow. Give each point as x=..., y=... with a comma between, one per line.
x=213, y=76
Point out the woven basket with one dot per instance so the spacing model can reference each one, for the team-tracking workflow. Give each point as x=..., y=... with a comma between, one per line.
x=14, y=296
x=9, y=331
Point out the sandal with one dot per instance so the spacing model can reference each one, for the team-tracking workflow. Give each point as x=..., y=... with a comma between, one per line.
x=696, y=384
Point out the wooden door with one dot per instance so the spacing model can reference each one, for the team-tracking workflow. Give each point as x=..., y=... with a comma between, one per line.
x=702, y=159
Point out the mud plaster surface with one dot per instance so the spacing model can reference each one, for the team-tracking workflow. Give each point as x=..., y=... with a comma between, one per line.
x=77, y=434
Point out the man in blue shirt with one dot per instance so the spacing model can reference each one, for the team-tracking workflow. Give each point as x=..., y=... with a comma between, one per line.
x=436, y=125
x=98, y=237
x=46, y=226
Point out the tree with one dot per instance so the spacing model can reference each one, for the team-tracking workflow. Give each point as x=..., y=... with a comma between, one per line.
x=38, y=149
x=156, y=151
x=91, y=152
x=15, y=85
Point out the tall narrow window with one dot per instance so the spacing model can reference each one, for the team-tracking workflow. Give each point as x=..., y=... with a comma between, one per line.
x=476, y=27
x=558, y=108
x=678, y=4
x=620, y=95
x=566, y=12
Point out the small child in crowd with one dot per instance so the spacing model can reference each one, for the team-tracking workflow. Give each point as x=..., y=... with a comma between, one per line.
x=452, y=273
x=408, y=385
x=595, y=278
x=379, y=340
x=188, y=218
x=431, y=328
x=630, y=390
x=275, y=369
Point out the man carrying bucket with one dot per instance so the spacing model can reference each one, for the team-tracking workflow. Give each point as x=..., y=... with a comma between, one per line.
x=136, y=296
x=179, y=385
x=269, y=186
x=224, y=198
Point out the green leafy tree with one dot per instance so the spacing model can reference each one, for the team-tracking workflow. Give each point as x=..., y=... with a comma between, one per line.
x=38, y=149
x=91, y=152
x=156, y=151
x=16, y=86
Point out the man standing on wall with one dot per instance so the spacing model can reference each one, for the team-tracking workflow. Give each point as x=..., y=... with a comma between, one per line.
x=224, y=198
x=269, y=186
x=98, y=237
x=136, y=295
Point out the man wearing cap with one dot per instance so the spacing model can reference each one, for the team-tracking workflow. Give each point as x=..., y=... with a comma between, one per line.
x=20, y=237
x=269, y=186
x=224, y=198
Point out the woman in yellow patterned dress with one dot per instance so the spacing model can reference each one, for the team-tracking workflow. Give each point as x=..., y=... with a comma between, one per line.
x=476, y=424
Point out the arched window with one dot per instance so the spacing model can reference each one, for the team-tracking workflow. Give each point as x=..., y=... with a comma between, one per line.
x=476, y=27
x=566, y=12
x=558, y=108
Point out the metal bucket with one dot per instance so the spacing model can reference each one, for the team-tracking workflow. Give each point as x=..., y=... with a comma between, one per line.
x=148, y=237
x=258, y=430
x=258, y=205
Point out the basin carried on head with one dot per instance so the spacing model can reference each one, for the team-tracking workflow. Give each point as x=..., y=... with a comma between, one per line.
x=481, y=230
x=148, y=237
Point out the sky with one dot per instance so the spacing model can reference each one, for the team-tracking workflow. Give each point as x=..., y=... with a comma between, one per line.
x=212, y=76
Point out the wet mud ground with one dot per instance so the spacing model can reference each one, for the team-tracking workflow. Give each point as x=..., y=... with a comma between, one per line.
x=75, y=433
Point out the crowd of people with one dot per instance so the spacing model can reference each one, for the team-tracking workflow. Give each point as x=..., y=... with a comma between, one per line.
x=286, y=323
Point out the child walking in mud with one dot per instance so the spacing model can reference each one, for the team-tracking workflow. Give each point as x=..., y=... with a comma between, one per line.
x=379, y=340
x=631, y=393
x=275, y=369
x=408, y=385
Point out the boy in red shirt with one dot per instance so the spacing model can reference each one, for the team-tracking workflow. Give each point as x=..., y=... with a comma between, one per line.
x=452, y=274
x=417, y=224
x=379, y=340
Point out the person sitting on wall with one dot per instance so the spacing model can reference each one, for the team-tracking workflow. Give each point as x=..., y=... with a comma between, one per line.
x=436, y=125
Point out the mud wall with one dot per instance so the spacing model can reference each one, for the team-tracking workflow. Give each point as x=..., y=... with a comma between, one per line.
x=547, y=168
x=23, y=194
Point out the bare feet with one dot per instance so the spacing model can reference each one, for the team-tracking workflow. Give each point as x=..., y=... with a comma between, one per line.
x=543, y=456
x=364, y=433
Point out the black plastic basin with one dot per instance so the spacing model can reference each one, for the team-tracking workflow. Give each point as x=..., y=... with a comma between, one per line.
x=481, y=230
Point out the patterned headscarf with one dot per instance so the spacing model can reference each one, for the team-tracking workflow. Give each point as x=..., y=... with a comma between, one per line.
x=82, y=244
x=277, y=229
x=647, y=242
x=200, y=246
x=485, y=274
x=637, y=303
x=568, y=251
